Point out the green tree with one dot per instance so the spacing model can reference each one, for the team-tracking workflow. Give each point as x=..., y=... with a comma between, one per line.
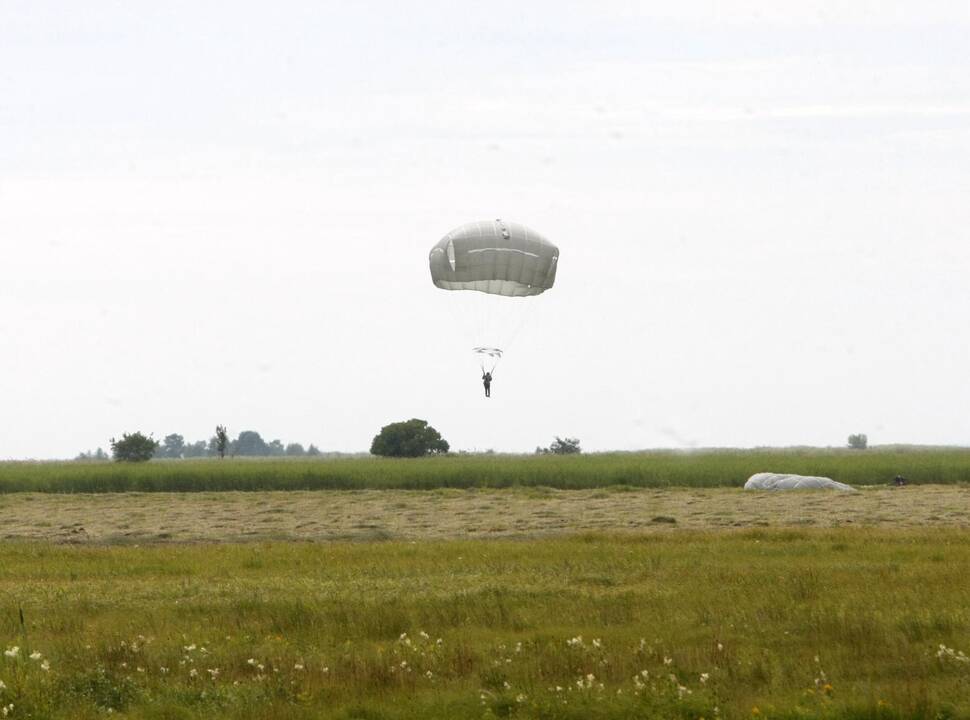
x=250, y=443
x=98, y=454
x=412, y=438
x=133, y=448
x=275, y=448
x=313, y=451
x=220, y=443
x=173, y=446
x=859, y=441
x=295, y=450
x=196, y=450
x=565, y=446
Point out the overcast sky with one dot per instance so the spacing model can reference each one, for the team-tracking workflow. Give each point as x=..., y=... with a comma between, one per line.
x=216, y=212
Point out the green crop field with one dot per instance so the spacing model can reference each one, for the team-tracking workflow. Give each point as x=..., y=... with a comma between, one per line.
x=713, y=468
x=759, y=623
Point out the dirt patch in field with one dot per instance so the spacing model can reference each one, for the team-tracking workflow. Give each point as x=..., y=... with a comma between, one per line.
x=446, y=514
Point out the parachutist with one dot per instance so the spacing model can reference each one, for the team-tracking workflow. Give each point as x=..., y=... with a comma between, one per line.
x=487, y=382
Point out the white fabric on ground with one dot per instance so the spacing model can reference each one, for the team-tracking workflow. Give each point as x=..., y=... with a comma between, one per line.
x=784, y=481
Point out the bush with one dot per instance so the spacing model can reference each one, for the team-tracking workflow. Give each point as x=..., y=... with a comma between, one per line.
x=858, y=442
x=133, y=448
x=413, y=438
x=561, y=446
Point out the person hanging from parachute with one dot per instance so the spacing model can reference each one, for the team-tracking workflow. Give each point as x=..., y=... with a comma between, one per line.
x=504, y=260
x=488, y=358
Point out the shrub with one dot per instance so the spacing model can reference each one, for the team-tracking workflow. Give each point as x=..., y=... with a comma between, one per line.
x=133, y=448
x=412, y=438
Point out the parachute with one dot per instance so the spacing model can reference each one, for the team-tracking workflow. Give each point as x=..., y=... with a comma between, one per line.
x=784, y=481
x=501, y=265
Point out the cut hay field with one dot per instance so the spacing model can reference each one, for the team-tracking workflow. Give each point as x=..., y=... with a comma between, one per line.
x=119, y=518
x=709, y=468
x=843, y=623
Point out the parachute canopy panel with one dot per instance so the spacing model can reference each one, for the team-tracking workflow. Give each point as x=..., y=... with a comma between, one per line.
x=494, y=257
x=784, y=481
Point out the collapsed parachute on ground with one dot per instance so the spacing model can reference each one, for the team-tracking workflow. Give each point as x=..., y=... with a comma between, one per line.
x=783, y=481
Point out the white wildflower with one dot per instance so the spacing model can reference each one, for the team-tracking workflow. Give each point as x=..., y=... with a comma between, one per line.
x=429, y=674
x=35, y=655
x=952, y=655
x=251, y=661
x=597, y=643
x=193, y=673
x=189, y=648
x=298, y=666
x=213, y=673
x=668, y=660
x=705, y=677
x=45, y=666
x=520, y=698
x=12, y=652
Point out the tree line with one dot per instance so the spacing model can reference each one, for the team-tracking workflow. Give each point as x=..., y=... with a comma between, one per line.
x=248, y=443
x=409, y=438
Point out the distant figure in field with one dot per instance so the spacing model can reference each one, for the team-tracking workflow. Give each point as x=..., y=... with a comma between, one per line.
x=487, y=382
x=899, y=481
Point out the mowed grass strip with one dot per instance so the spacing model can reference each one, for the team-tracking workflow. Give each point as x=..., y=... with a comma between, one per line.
x=713, y=468
x=444, y=514
x=768, y=623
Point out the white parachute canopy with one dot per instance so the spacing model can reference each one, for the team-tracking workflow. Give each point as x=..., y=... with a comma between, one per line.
x=495, y=271
x=784, y=481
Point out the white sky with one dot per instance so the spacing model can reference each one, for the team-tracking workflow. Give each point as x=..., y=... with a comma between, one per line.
x=216, y=212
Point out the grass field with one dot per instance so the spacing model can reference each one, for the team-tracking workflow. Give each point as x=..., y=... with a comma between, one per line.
x=362, y=588
x=442, y=514
x=725, y=468
x=737, y=624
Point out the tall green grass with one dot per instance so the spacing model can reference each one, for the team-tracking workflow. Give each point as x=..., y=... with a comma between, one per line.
x=835, y=624
x=714, y=468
